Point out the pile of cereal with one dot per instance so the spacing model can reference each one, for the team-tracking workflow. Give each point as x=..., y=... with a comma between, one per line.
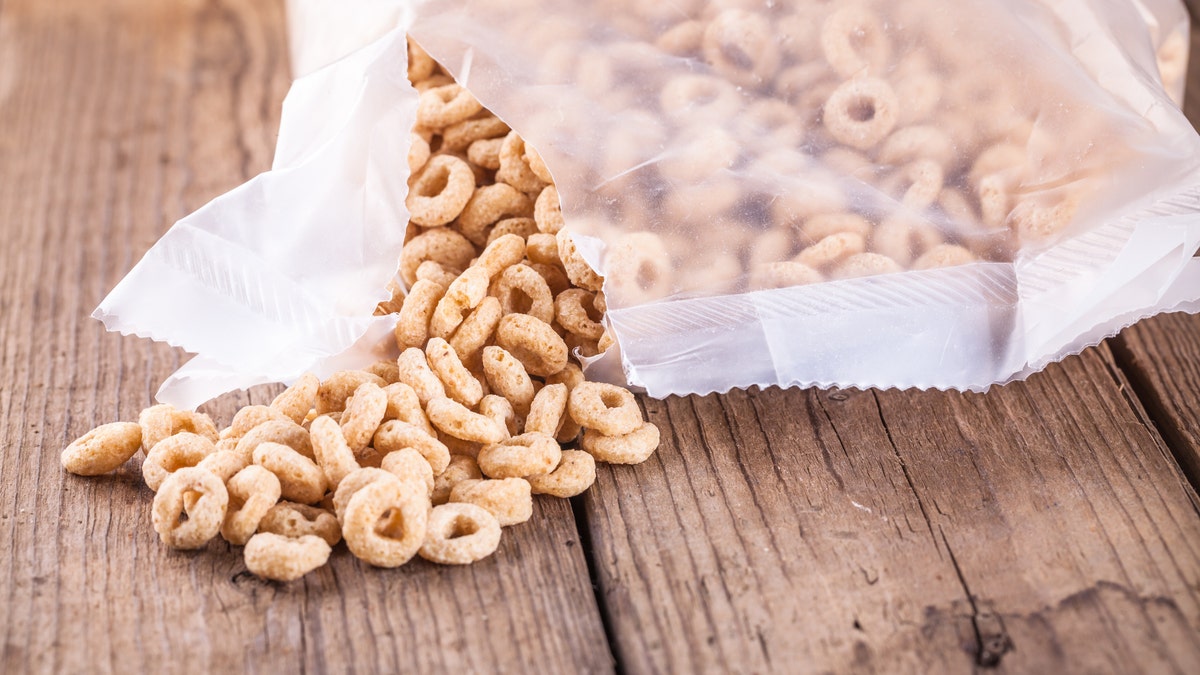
x=433, y=453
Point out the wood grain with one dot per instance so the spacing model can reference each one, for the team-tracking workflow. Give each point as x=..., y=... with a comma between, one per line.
x=116, y=119
x=1040, y=528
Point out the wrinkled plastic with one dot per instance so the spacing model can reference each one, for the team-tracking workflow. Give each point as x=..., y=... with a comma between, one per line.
x=681, y=202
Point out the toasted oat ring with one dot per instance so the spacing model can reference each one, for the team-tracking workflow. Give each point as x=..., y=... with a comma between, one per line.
x=501, y=253
x=514, y=170
x=639, y=268
x=251, y=416
x=297, y=520
x=286, y=433
x=607, y=408
x=917, y=142
x=855, y=43
x=533, y=342
x=204, y=515
x=925, y=179
x=416, y=373
x=364, y=413
x=740, y=45
x=459, y=383
x=420, y=64
x=440, y=192
x=385, y=522
x=160, y=421
x=861, y=112
x=408, y=464
x=501, y=411
x=333, y=392
x=580, y=273
x=820, y=226
x=300, y=478
x=462, y=467
x=405, y=405
x=903, y=240
x=459, y=136
x=224, y=464
x=442, y=106
x=279, y=558
x=783, y=275
x=574, y=315
x=355, y=481
x=866, y=265
x=521, y=290
x=452, y=418
x=1035, y=222
x=530, y=454
x=252, y=492
x=570, y=377
x=943, y=255
x=395, y=435
x=412, y=326
x=173, y=453
x=102, y=449
x=575, y=473
x=699, y=97
x=299, y=398
x=832, y=250
x=542, y=248
x=547, y=211
x=995, y=202
x=460, y=534
x=333, y=454
x=431, y=270
x=537, y=165
x=477, y=329
x=489, y=204
x=631, y=448
x=418, y=153
x=463, y=295
x=442, y=245
x=485, y=152
x=432, y=82
x=521, y=227
x=510, y=500
x=555, y=276
x=547, y=410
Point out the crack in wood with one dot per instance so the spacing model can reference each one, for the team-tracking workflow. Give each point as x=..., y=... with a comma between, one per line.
x=992, y=641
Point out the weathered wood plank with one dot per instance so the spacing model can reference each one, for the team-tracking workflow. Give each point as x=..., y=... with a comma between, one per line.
x=1040, y=527
x=117, y=118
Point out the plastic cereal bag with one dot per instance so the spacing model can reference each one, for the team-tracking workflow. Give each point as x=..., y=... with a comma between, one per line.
x=787, y=192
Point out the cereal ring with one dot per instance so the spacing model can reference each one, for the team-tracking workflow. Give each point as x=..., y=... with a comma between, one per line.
x=405, y=405
x=364, y=413
x=489, y=204
x=453, y=418
x=415, y=372
x=285, y=433
x=385, y=523
x=1006, y=160
x=252, y=492
x=461, y=467
x=395, y=435
x=510, y=500
x=408, y=464
x=433, y=271
x=1034, y=223
x=485, y=152
x=770, y=246
x=700, y=153
x=855, y=43
x=420, y=64
x=521, y=290
x=183, y=450
x=442, y=106
x=820, y=226
x=204, y=516
x=943, y=255
x=522, y=227
x=458, y=446
x=301, y=480
x=682, y=39
x=224, y=464
x=460, y=534
x=698, y=98
x=607, y=408
x=440, y=192
x=772, y=123
x=832, y=250
x=530, y=454
x=995, y=201
x=921, y=92
x=795, y=82
x=542, y=248
x=412, y=327
x=903, y=239
x=866, y=265
x=160, y=421
x=355, y=481
x=555, y=276
x=279, y=558
x=476, y=330
x=418, y=153
x=580, y=273
x=442, y=245
x=955, y=206
x=861, y=112
x=575, y=473
x=251, y=416
x=740, y=45
x=460, y=136
x=639, y=268
x=514, y=170
x=632, y=448
x=102, y=449
x=465, y=294
x=570, y=377
x=333, y=392
x=547, y=411
x=386, y=369
x=333, y=454
x=532, y=342
x=575, y=310
x=459, y=383
x=921, y=182
x=537, y=165
x=501, y=411
x=917, y=142
x=501, y=253
x=297, y=520
x=298, y=399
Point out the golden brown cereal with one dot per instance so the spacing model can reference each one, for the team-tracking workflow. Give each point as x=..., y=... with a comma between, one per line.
x=453, y=418
x=607, y=408
x=418, y=153
x=252, y=492
x=420, y=64
x=823, y=225
x=632, y=448
x=415, y=372
x=431, y=270
x=386, y=369
x=405, y=405
x=301, y=479
x=442, y=106
x=514, y=170
x=943, y=255
x=865, y=265
x=639, y=268
x=485, y=152
x=507, y=377
x=501, y=253
x=463, y=295
x=575, y=473
x=441, y=191
x=364, y=413
x=924, y=180
x=1033, y=222
x=699, y=97
x=460, y=534
x=203, y=517
x=460, y=136
x=548, y=410
x=251, y=416
x=902, y=239
x=522, y=227
x=555, y=276
x=462, y=467
x=521, y=290
x=542, y=248
x=459, y=383
x=682, y=39
x=476, y=330
x=500, y=411
x=355, y=481
x=532, y=342
x=173, y=453
x=224, y=464
x=333, y=454
x=832, y=250
x=489, y=204
x=333, y=392
x=995, y=200
x=298, y=399
x=286, y=433
x=570, y=376
x=279, y=558
x=578, y=271
x=510, y=500
x=861, y=112
x=395, y=435
x=296, y=520
x=442, y=245
x=408, y=464
x=855, y=43
x=739, y=45
x=432, y=82
x=530, y=454
x=537, y=165
x=575, y=310
x=385, y=522
x=102, y=449
x=161, y=421
x=917, y=142
x=412, y=327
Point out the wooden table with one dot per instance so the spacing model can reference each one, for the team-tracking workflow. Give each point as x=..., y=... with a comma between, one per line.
x=1048, y=526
